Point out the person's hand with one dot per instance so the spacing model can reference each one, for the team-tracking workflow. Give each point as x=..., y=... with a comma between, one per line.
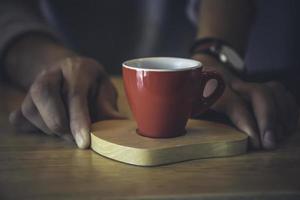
x=267, y=112
x=65, y=98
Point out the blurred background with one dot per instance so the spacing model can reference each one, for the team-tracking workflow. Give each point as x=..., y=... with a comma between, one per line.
x=114, y=31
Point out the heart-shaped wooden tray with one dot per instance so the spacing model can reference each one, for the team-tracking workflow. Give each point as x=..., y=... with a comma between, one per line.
x=118, y=140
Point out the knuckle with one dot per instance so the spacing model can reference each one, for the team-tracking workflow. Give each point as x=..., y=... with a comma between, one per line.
x=42, y=74
x=41, y=87
x=82, y=66
x=27, y=111
x=74, y=64
x=35, y=88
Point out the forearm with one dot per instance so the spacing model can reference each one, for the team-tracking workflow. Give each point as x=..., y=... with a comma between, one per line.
x=31, y=54
x=229, y=20
x=27, y=42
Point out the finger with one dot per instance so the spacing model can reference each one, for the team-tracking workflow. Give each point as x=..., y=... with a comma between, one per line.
x=237, y=110
x=108, y=111
x=80, y=75
x=31, y=113
x=283, y=105
x=265, y=113
x=106, y=102
x=17, y=119
x=79, y=120
x=21, y=123
x=46, y=95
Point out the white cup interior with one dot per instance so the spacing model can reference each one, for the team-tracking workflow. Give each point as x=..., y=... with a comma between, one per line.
x=162, y=64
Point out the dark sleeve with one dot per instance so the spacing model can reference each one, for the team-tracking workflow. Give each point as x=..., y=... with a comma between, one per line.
x=19, y=17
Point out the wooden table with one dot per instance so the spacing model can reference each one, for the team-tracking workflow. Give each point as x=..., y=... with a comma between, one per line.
x=35, y=166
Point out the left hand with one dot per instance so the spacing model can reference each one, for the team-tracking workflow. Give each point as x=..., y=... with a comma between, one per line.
x=267, y=112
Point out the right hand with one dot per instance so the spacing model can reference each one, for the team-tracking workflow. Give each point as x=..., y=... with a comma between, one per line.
x=65, y=98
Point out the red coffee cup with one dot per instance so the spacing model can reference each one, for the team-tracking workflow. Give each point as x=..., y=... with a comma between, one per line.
x=163, y=93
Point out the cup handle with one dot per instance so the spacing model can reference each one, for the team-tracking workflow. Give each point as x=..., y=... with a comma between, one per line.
x=203, y=103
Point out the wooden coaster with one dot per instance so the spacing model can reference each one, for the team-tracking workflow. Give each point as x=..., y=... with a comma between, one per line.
x=118, y=140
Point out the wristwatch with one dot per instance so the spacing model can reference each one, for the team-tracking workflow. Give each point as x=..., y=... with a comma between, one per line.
x=220, y=50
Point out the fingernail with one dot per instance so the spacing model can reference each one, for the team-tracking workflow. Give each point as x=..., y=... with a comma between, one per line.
x=82, y=139
x=269, y=140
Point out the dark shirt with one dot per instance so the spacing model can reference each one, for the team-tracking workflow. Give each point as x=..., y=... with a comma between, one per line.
x=274, y=39
x=273, y=48
x=113, y=31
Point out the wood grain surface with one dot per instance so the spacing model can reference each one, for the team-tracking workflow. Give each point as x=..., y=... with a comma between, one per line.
x=118, y=140
x=36, y=166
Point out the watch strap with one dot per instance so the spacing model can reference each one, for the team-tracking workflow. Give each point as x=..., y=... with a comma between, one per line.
x=220, y=50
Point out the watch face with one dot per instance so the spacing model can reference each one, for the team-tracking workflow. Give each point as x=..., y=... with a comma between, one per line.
x=223, y=58
x=232, y=57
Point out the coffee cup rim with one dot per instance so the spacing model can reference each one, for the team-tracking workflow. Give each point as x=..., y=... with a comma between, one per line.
x=192, y=64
